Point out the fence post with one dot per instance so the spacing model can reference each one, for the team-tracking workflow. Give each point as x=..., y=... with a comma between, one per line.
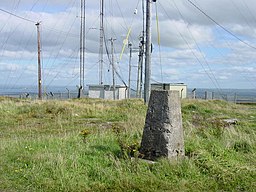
x=194, y=93
x=68, y=93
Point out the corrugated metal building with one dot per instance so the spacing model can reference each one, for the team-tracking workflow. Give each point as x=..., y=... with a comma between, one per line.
x=181, y=87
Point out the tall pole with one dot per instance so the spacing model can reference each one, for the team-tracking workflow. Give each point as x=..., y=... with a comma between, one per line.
x=39, y=63
x=147, y=86
x=141, y=55
x=140, y=67
x=130, y=69
x=138, y=76
x=82, y=49
x=101, y=41
x=113, y=68
x=83, y=43
x=142, y=49
x=81, y=46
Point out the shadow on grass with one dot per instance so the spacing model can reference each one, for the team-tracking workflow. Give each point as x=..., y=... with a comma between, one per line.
x=95, y=150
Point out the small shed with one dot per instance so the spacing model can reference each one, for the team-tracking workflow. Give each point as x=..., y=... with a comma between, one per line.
x=181, y=87
x=106, y=91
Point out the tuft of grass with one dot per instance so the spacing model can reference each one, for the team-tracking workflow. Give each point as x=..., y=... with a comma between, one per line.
x=242, y=146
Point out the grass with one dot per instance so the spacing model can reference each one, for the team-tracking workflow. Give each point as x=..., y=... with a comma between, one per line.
x=85, y=145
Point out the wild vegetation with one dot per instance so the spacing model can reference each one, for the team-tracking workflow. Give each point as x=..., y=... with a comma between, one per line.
x=87, y=144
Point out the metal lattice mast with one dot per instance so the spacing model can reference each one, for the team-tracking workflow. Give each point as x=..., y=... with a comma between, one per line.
x=84, y=29
x=113, y=67
x=81, y=45
x=101, y=42
x=82, y=49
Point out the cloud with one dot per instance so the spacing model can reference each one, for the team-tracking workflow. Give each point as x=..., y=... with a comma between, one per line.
x=245, y=69
x=10, y=67
x=192, y=46
x=178, y=34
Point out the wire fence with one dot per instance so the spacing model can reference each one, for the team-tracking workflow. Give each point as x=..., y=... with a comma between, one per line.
x=235, y=97
x=46, y=96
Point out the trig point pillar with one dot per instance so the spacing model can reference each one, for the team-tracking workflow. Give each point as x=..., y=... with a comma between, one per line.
x=163, y=132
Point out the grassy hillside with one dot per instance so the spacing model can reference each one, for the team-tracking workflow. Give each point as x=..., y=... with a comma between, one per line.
x=85, y=145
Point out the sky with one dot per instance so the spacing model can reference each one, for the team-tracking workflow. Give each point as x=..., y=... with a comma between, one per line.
x=203, y=43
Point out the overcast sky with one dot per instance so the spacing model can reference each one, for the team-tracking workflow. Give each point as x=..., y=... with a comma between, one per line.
x=193, y=49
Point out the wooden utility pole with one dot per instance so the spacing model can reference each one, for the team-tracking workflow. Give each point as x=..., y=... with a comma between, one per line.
x=39, y=63
x=147, y=86
x=113, y=67
x=101, y=41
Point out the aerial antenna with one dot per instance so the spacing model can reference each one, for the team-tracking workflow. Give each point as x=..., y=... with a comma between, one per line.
x=141, y=55
x=113, y=67
x=101, y=41
x=82, y=49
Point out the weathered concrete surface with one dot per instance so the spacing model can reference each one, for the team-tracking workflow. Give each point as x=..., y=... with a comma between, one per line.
x=163, y=132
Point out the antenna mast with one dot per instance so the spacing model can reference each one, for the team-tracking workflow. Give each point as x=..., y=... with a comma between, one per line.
x=147, y=86
x=113, y=67
x=82, y=48
x=83, y=42
x=101, y=41
x=141, y=56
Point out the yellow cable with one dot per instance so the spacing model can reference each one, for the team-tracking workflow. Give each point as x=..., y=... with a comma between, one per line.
x=125, y=42
x=159, y=42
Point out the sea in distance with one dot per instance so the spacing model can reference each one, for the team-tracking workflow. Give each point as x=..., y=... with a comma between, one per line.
x=63, y=92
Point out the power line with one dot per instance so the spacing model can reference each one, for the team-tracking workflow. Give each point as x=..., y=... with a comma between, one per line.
x=7, y=20
x=11, y=13
x=249, y=10
x=229, y=32
x=217, y=50
x=194, y=54
x=48, y=28
x=108, y=55
x=58, y=53
x=23, y=18
x=203, y=56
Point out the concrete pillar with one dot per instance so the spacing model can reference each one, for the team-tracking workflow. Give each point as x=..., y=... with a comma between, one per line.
x=163, y=132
